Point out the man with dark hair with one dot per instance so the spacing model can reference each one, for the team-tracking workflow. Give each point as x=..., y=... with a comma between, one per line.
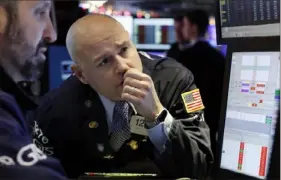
x=207, y=65
x=196, y=24
x=24, y=27
x=178, y=46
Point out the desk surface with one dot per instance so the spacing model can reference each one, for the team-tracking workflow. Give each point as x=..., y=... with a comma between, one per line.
x=124, y=178
x=135, y=176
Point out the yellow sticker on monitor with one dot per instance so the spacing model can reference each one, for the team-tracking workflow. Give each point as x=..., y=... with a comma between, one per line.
x=192, y=101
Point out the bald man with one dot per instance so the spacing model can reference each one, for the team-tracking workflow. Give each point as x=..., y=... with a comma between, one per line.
x=123, y=111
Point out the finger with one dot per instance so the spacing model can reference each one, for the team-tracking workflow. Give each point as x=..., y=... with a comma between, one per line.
x=134, y=91
x=132, y=99
x=131, y=65
x=136, y=74
x=137, y=83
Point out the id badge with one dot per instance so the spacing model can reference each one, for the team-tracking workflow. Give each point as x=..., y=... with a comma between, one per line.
x=137, y=125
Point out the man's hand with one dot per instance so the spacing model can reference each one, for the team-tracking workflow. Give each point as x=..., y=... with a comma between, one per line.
x=138, y=89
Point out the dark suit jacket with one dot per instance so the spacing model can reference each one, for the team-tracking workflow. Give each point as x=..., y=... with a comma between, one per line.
x=207, y=65
x=16, y=147
x=66, y=113
x=174, y=52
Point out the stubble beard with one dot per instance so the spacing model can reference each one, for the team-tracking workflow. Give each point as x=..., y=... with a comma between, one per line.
x=16, y=51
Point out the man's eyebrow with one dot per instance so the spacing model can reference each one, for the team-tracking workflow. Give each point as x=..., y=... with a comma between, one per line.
x=99, y=57
x=118, y=44
x=122, y=44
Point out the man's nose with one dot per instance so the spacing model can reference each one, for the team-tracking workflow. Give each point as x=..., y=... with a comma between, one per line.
x=50, y=34
x=121, y=65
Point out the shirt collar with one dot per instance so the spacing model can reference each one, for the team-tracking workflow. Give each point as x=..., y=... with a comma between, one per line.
x=109, y=105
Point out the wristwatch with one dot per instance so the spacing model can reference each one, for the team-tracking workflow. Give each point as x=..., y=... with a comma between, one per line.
x=159, y=118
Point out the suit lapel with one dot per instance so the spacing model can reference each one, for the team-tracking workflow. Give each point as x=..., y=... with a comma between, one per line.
x=95, y=124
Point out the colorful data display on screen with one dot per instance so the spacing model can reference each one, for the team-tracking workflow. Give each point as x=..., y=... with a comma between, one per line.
x=252, y=105
x=249, y=18
x=154, y=34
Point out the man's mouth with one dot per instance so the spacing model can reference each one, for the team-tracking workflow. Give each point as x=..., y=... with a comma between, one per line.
x=42, y=50
x=41, y=53
x=42, y=56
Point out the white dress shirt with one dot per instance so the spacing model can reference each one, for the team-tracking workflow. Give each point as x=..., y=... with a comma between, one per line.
x=158, y=134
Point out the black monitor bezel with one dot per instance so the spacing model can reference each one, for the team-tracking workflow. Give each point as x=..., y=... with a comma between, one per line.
x=222, y=41
x=237, y=47
x=152, y=50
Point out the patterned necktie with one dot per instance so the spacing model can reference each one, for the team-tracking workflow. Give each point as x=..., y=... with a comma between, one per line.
x=120, y=125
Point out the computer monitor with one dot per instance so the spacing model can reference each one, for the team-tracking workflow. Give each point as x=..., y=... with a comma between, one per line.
x=249, y=18
x=154, y=33
x=59, y=65
x=251, y=113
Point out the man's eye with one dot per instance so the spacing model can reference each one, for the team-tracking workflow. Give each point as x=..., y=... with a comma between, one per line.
x=41, y=12
x=103, y=62
x=123, y=50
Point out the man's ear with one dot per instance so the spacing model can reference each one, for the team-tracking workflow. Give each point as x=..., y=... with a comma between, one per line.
x=76, y=69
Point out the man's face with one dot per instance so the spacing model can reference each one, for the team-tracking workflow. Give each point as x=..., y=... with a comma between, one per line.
x=179, y=31
x=107, y=61
x=28, y=27
x=188, y=29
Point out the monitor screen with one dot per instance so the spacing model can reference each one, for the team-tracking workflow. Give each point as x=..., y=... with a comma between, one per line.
x=251, y=113
x=59, y=65
x=127, y=22
x=155, y=33
x=249, y=18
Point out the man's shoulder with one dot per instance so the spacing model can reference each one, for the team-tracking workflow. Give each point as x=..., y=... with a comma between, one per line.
x=60, y=103
x=6, y=99
x=165, y=67
x=210, y=49
x=151, y=61
x=170, y=63
x=174, y=45
x=63, y=94
x=19, y=157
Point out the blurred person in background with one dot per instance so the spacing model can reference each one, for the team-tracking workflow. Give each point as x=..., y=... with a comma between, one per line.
x=24, y=28
x=177, y=47
x=207, y=64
